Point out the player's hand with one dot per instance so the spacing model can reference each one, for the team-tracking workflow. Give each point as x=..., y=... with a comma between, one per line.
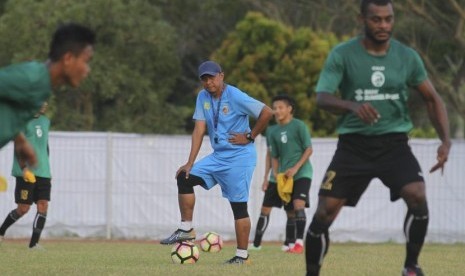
x=265, y=185
x=25, y=152
x=443, y=154
x=366, y=112
x=185, y=168
x=291, y=172
x=238, y=139
x=29, y=176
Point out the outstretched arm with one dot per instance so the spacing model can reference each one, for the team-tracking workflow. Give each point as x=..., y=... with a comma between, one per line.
x=197, y=139
x=438, y=116
x=365, y=111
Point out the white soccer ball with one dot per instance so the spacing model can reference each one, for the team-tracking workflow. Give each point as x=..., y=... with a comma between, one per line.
x=185, y=252
x=211, y=242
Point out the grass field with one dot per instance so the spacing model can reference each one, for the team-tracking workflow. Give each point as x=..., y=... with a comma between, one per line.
x=84, y=257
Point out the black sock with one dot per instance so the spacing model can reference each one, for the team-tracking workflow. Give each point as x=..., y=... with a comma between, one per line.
x=37, y=227
x=316, y=247
x=262, y=224
x=300, y=221
x=290, y=231
x=415, y=228
x=11, y=218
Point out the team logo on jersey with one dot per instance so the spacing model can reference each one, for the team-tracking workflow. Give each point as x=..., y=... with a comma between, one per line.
x=328, y=180
x=206, y=105
x=39, y=131
x=24, y=194
x=377, y=78
x=225, y=110
x=284, y=137
x=359, y=95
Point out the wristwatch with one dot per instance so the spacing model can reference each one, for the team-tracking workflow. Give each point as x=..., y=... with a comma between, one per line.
x=249, y=137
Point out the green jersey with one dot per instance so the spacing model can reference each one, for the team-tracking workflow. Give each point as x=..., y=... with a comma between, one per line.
x=24, y=88
x=36, y=133
x=269, y=130
x=383, y=81
x=288, y=142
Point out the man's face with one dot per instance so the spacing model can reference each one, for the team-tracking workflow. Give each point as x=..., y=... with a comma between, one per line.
x=213, y=84
x=379, y=22
x=76, y=68
x=282, y=110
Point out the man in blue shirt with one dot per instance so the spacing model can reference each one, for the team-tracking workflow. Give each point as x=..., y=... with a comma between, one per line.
x=223, y=112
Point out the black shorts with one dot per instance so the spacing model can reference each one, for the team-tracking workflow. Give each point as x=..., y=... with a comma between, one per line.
x=27, y=193
x=359, y=159
x=300, y=191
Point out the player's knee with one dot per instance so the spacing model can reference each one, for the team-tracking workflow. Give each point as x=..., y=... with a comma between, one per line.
x=317, y=227
x=22, y=209
x=420, y=211
x=239, y=210
x=300, y=215
x=184, y=184
x=42, y=206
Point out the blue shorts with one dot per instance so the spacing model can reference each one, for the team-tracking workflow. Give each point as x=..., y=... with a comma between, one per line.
x=233, y=180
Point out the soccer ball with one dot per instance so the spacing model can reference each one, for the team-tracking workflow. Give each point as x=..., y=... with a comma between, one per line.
x=185, y=252
x=211, y=242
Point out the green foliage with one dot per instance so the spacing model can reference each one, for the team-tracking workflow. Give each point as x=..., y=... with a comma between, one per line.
x=134, y=68
x=266, y=58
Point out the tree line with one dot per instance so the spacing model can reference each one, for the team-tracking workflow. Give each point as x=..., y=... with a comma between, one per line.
x=144, y=72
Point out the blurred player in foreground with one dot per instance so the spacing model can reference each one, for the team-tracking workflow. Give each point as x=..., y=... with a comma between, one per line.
x=373, y=74
x=24, y=87
x=222, y=111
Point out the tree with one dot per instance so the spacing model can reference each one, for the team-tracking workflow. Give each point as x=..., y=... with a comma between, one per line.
x=134, y=68
x=437, y=30
x=266, y=58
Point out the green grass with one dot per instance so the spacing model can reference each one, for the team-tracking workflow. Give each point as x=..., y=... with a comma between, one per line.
x=75, y=257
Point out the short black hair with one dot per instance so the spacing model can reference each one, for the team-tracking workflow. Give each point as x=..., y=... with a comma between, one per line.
x=364, y=4
x=70, y=37
x=286, y=98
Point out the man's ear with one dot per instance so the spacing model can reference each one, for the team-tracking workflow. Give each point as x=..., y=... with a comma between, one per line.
x=67, y=58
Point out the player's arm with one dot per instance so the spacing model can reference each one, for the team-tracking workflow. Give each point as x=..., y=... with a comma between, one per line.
x=275, y=166
x=267, y=170
x=262, y=121
x=24, y=151
x=438, y=116
x=365, y=111
x=304, y=158
x=196, y=142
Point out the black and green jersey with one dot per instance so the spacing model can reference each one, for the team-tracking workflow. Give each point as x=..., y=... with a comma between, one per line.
x=24, y=88
x=36, y=133
x=383, y=81
x=288, y=142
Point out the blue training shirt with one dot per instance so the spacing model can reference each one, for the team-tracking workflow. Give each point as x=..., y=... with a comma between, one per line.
x=233, y=117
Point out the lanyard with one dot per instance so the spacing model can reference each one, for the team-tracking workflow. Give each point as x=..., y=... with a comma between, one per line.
x=216, y=116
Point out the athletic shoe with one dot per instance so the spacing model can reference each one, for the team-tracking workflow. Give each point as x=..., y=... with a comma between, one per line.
x=285, y=248
x=37, y=247
x=238, y=260
x=297, y=249
x=412, y=271
x=178, y=236
x=254, y=248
